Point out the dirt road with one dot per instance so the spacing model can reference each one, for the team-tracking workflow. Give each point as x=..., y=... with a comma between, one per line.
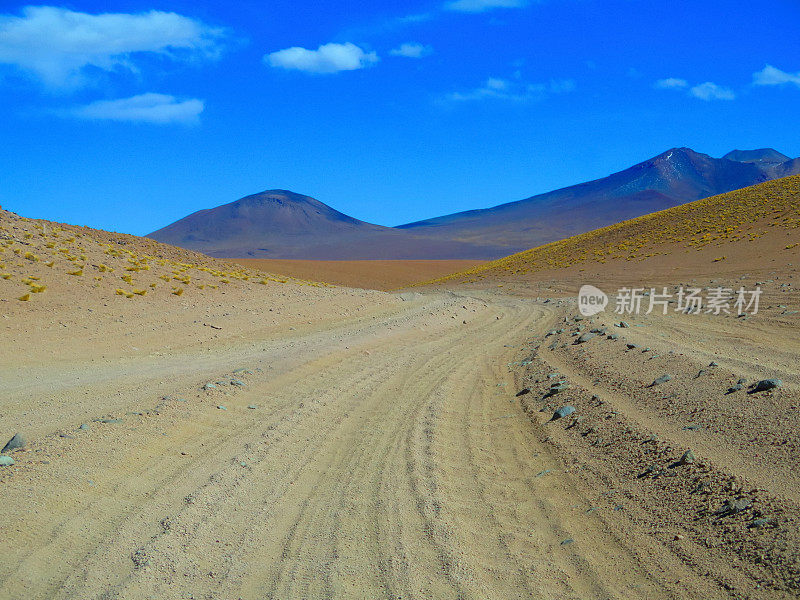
x=380, y=457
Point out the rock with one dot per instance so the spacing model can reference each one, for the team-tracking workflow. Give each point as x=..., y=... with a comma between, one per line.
x=687, y=458
x=767, y=384
x=756, y=523
x=742, y=381
x=713, y=363
x=252, y=406
x=585, y=338
x=221, y=407
x=15, y=443
x=558, y=387
x=567, y=541
x=733, y=506
x=84, y=426
x=623, y=325
x=6, y=461
x=632, y=346
x=238, y=383
x=209, y=386
x=110, y=421
x=612, y=336
x=735, y=388
x=660, y=380
x=562, y=412
x=700, y=373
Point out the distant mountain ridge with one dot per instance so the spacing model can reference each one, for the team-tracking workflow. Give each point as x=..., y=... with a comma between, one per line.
x=283, y=224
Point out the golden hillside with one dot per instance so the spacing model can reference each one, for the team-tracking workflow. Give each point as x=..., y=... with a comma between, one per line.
x=745, y=216
x=41, y=258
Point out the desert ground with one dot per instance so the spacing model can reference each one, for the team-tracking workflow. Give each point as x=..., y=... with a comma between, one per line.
x=195, y=428
x=381, y=275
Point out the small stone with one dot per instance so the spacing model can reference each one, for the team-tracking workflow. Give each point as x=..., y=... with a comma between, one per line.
x=6, y=461
x=758, y=523
x=735, y=388
x=623, y=325
x=713, y=363
x=238, y=382
x=632, y=346
x=567, y=541
x=585, y=338
x=221, y=407
x=562, y=412
x=15, y=443
x=111, y=421
x=660, y=380
x=84, y=426
x=209, y=386
x=252, y=406
x=767, y=384
x=687, y=458
x=612, y=336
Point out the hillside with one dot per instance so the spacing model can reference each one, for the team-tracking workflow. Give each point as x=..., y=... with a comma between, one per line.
x=743, y=230
x=672, y=178
x=282, y=224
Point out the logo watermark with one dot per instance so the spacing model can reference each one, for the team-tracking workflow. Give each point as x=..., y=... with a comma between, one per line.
x=634, y=301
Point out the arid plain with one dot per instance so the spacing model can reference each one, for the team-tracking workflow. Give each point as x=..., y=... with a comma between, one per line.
x=197, y=428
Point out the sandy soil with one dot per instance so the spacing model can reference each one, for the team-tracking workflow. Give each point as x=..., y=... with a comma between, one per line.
x=370, y=274
x=361, y=444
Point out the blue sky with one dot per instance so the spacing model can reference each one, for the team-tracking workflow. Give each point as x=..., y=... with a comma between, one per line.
x=128, y=115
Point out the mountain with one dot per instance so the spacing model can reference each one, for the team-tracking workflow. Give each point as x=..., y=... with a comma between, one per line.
x=761, y=156
x=282, y=224
x=672, y=178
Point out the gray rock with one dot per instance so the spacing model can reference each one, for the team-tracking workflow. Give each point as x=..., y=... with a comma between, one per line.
x=663, y=379
x=252, y=406
x=209, y=386
x=222, y=407
x=84, y=426
x=767, y=384
x=735, y=388
x=623, y=325
x=713, y=363
x=15, y=443
x=687, y=458
x=632, y=346
x=585, y=338
x=6, y=461
x=613, y=336
x=238, y=383
x=733, y=506
x=110, y=421
x=562, y=412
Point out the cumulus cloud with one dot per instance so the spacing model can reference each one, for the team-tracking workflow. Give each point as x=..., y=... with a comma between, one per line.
x=711, y=91
x=475, y=6
x=160, y=109
x=505, y=89
x=704, y=91
x=769, y=75
x=328, y=58
x=57, y=44
x=671, y=83
x=412, y=50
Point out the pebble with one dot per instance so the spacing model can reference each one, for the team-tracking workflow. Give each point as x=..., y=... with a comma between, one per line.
x=585, y=338
x=238, y=382
x=767, y=384
x=252, y=406
x=84, y=426
x=14, y=443
x=6, y=461
x=687, y=458
x=209, y=386
x=663, y=379
x=562, y=412
x=221, y=407
x=632, y=346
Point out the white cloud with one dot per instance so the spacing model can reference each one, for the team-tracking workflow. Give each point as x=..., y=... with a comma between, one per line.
x=328, y=58
x=412, y=50
x=505, y=89
x=476, y=6
x=57, y=44
x=711, y=91
x=769, y=75
x=671, y=83
x=160, y=109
